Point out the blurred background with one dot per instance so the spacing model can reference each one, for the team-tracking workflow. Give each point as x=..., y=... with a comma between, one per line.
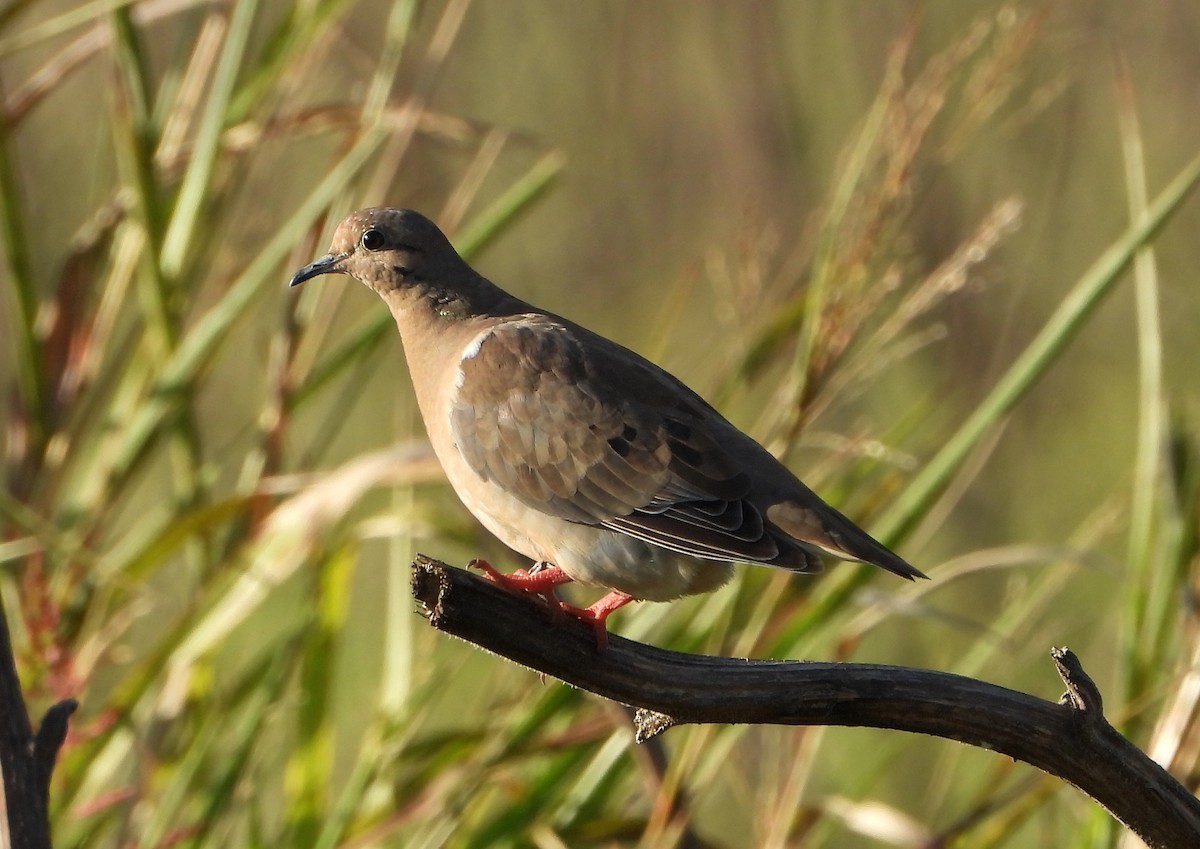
x=891, y=240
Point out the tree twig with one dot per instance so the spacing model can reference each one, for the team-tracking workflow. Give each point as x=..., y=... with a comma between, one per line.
x=1069, y=739
x=26, y=758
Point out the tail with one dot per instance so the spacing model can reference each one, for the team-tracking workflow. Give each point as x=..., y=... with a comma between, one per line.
x=819, y=527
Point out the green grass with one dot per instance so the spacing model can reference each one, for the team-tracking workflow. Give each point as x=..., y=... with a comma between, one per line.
x=862, y=240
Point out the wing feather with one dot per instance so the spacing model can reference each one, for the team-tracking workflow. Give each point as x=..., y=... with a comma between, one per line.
x=539, y=415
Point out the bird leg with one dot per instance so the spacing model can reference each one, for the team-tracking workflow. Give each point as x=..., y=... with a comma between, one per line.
x=543, y=578
x=598, y=612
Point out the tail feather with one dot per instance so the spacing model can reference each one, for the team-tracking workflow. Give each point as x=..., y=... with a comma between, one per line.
x=824, y=529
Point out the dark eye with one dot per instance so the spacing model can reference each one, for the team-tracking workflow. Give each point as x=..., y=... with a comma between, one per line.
x=373, y=240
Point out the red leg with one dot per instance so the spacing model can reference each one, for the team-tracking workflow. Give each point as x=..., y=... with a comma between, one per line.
x=536, y=580
x=598, y=612
x=543, y=578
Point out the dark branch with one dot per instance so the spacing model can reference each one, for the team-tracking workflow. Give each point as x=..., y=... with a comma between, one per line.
x=1070, y=739
x=25, y=758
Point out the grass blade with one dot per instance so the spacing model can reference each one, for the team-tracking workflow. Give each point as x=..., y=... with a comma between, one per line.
x=1038, y=356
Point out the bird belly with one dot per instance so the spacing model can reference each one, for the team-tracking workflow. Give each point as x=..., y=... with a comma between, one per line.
x=598, y=556
x=589, y=554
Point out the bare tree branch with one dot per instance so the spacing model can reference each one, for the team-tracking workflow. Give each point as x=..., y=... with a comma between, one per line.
x=1069, y=739
x=26, y=759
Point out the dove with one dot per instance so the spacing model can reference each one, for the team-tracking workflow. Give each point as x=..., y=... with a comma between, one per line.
x=595, y=463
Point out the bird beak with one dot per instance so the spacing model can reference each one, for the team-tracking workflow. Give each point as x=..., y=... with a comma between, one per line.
x=328, y=264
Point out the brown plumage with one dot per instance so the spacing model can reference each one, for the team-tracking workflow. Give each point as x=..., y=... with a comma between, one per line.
x=574, y=450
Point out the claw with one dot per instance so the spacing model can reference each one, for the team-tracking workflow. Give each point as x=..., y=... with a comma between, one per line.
x=542, y=579
x=598, y=612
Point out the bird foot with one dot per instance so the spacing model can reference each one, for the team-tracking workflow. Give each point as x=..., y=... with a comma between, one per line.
x=542, y=579
x=596, y=614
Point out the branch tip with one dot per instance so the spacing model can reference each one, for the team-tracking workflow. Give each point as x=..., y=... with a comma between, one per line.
x=53, y=729
x=48, y=740
x=429, y=586
x=1083, y=696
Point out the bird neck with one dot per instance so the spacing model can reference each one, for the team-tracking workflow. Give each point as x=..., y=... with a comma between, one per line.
x=437, y=324
x=438, y=305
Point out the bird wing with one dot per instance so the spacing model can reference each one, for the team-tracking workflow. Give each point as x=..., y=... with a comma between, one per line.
x=595, y=434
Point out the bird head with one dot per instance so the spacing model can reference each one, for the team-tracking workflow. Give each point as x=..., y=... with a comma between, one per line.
x=386, y=249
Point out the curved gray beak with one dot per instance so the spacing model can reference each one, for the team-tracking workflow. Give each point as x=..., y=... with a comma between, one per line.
x=328, y=264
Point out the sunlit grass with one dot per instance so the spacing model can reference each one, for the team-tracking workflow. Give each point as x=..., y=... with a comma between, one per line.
x=214, y=486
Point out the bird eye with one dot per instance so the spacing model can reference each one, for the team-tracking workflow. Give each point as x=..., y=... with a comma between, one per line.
x=373, y=240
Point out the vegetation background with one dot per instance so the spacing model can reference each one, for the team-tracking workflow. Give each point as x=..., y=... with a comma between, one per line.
x=888, y=239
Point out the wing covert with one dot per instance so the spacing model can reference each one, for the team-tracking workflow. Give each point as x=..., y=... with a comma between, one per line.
x=538, y=415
